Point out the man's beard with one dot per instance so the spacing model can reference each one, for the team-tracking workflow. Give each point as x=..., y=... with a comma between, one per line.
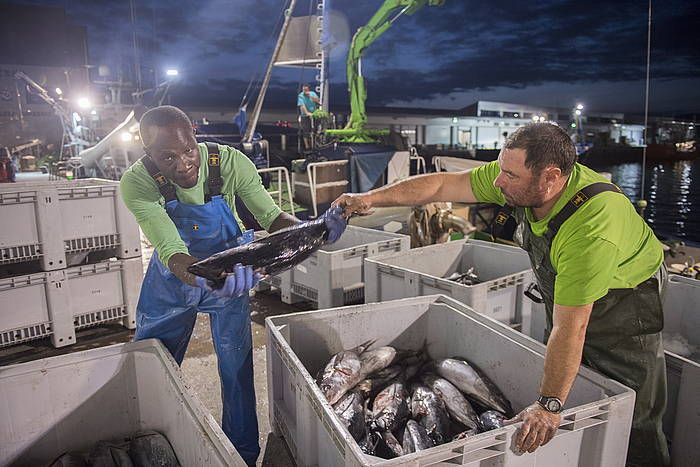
x=531, y=201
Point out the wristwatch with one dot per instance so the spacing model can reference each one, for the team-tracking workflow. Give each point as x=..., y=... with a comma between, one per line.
x=551, y=404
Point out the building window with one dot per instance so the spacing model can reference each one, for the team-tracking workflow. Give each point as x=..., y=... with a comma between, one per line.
x=512, y=114
x=489, y=113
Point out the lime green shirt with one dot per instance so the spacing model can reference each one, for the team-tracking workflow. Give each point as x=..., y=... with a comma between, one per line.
x=604, y=245
x=240, y=178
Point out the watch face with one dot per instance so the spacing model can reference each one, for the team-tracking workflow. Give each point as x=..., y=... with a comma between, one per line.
x=553, y=405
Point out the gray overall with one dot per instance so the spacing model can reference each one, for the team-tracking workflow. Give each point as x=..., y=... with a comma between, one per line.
x=623, y=338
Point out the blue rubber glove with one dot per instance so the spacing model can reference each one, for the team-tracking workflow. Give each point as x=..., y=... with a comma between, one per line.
x=237, y=283
x=335, y=222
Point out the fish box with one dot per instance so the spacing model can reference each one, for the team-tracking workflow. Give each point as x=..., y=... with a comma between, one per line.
x=73, y=401
x=56, y=224
x=504, y=272
x=682, y=417
x=333, y=276
x=595, y=423
x=56, y=303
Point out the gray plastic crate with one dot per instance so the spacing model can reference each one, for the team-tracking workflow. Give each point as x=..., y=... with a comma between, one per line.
x=504, y=272
x=682, y=418
x=57, y=221
x=595, y=423
x=333, y=276
x=70, y=402
x=56, y=303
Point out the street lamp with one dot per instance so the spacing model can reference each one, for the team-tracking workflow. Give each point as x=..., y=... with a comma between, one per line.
x=59, y=91
x=579, y=106
x=578, y=112
x=172, y=72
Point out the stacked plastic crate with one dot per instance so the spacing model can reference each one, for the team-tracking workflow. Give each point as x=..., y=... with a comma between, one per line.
x=70, y=257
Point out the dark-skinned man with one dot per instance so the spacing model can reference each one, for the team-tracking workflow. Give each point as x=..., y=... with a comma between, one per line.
x=598, y=266
x=183, y=194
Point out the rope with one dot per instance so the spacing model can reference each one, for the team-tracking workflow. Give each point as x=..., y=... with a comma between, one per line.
x=646, y=103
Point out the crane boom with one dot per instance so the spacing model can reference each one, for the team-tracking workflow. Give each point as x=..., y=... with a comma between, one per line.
x=355, y=131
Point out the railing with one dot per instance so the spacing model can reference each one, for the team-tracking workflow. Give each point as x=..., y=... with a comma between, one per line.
x=420, y=161
x=280, y=171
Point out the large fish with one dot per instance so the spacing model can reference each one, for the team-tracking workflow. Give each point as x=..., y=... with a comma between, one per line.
x=377, y=359
x=342, y=373
x=391, y=446
x=492, y=420
x=368, y=444
x=269, y=255
x=390, y=407
x=415, y=438
x=351, y=412
x=474, y=383
x=370, y=387
x=457, y=405
x=429, y=410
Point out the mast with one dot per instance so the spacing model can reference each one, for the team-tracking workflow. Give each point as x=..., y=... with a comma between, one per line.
x=261, y=96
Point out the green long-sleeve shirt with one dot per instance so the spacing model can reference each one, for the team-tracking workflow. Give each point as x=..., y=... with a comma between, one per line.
x=240, y=178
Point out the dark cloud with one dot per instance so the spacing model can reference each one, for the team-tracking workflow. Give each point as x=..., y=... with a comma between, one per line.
x=449, y=54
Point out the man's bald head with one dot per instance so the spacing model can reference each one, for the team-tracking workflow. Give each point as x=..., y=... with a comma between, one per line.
x=169, y=141
x=165, y=116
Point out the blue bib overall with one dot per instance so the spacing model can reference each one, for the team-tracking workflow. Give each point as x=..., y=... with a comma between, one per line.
x=167, y=309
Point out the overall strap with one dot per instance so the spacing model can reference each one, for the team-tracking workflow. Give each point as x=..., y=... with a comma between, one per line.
x=214, y=181
x=167, y=189
x=576, y=201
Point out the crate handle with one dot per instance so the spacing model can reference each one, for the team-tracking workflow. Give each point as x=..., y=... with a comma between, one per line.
x=529, y=293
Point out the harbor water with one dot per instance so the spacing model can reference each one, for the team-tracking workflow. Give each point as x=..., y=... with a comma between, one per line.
x=672, y=190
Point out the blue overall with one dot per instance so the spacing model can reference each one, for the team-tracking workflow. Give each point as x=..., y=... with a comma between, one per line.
x=167, y=310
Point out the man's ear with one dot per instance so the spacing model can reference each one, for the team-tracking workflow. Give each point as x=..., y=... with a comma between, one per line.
x=551, y=174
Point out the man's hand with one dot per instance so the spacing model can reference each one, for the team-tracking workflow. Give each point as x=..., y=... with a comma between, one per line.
x=236, y=284
x=538, y=428
x=353, y=203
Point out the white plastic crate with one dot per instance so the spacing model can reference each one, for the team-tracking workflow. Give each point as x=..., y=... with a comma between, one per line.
x=52, y=221
x=56, y=303
x=504, y=272
x=595, y=423
x=70, y=402
x=682, y=418
x=333, y=276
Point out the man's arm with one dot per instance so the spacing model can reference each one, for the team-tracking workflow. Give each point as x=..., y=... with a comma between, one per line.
x=414, y=191
x=283, y=221
x=561, y=365
x=304, y=110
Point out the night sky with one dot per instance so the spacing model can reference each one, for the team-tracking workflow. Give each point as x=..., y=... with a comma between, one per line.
x=550, y=52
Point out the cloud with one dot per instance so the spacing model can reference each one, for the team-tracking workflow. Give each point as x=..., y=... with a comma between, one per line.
x=444, y=54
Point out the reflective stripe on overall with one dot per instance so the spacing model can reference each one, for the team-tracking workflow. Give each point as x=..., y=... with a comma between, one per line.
x=623, y=338
x=167, y=308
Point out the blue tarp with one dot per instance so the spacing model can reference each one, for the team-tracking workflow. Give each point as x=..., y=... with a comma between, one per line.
x=366, y=169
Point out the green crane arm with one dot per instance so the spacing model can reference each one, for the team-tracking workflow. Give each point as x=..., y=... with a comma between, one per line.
x=382, y=20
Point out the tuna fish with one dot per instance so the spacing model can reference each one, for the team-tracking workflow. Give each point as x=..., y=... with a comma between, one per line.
x=370, y=387
x=415, y=438
x=391, y=446
x=273, y=254
x=342, y=373
x=368, y=444
x=457, y=405
x=492, y=420
x=351, y=412
x=474, y=383
x=429, y=410
x=377, y=359
x=390, y=407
